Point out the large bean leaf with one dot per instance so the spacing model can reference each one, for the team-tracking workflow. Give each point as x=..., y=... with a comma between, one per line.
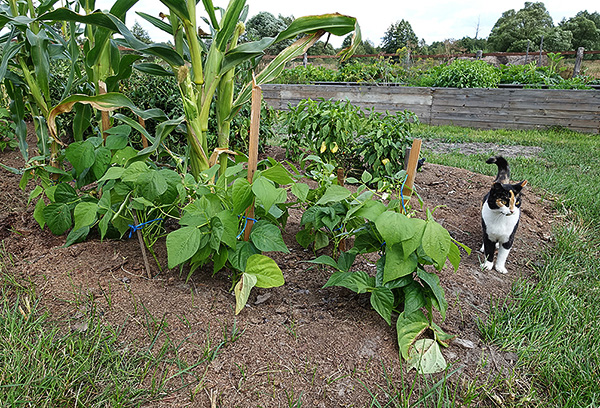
x=242, y=291
x=266, y=271
x=182, y=244
x=267, y=237
x=436, y=243
x=408, y=328
x=58, y=217
x=382, y=300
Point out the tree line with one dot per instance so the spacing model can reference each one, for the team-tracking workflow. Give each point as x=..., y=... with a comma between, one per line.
x=514, y=31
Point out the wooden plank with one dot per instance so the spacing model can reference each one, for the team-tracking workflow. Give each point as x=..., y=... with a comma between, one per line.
x=521, y=119
x=479, y=107
x=490, y=125
x=549, y=114
x=517, y=124
x=516, y=105
x=501, y=114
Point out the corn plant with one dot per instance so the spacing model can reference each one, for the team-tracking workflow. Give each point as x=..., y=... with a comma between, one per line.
x=27, y=49
x=210, y=70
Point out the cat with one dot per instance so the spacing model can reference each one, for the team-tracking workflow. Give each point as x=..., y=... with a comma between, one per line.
x=500, y=214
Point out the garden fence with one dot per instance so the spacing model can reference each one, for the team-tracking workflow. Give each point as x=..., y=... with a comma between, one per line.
x=482, y=108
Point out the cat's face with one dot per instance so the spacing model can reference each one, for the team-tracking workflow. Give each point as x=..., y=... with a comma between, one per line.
x=506, y=198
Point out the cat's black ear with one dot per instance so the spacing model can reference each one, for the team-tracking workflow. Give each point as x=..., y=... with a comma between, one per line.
x=519, y=186
x=497, y=186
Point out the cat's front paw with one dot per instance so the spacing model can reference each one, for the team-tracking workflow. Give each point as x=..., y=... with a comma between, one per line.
x=487, y=265
x=501, y=269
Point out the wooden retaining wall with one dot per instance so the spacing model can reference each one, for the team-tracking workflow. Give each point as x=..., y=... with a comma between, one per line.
x=479, y=107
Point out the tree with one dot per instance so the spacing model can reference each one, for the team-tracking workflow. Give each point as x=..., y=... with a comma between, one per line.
x=366, y=47
x=398, y=35
x=321, y=49
x=472, y=44
x=140, y=33
x=515, y=29
x=263, y=25
x=595, y=17
x=585, y=32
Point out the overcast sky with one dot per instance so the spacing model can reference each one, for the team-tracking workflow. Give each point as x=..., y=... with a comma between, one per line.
x=432, y=20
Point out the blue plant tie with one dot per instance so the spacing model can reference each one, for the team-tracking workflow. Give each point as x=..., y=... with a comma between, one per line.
x=138, y=227
x=401, y=196
x=245, y=223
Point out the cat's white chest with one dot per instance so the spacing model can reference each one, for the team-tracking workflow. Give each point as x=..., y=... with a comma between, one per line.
x=499, y=226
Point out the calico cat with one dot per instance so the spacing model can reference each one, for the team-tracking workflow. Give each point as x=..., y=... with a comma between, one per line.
x=500, y=215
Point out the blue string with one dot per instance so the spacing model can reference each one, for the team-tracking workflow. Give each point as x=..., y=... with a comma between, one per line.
x=401, y=196
x=138, y=227
x=245, y=223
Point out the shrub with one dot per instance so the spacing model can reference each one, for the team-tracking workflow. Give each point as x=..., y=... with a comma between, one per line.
x=325, y=127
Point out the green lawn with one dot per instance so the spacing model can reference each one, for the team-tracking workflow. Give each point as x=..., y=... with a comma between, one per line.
x=553, y=321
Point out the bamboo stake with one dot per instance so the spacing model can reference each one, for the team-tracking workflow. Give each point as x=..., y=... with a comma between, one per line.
x=253, y=150
x=411, y=170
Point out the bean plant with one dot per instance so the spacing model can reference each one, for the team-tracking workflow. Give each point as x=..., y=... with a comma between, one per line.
x=404, y=284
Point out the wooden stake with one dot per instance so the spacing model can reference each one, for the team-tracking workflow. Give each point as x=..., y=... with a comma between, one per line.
x=411, y=170
x=105, y=116
x=142, y=247
x=253, y=149
x=341, y=180
x=578, y=59
x=142, y=122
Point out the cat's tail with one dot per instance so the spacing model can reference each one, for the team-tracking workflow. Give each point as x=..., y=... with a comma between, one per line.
x=503, y=169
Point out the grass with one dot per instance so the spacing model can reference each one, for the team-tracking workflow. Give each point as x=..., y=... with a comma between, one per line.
x=43, y=364
x=44, y=367
x=552, y=322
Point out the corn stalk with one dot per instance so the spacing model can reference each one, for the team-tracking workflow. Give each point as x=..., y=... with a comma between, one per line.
x=213, y=74
x=210, y=71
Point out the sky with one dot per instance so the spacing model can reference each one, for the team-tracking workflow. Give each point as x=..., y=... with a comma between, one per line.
x=431, y=20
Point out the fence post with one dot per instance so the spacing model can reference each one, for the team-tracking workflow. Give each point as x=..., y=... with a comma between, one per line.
x=578, y=60
x=541, y=48
x=305, y=59
x=479, y=54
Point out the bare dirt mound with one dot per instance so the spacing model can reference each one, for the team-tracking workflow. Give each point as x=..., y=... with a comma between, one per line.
x=323, y=347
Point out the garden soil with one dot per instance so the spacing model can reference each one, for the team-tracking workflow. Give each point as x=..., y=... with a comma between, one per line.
x=298, y=343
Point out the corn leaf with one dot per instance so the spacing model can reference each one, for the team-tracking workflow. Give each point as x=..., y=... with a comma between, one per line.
x=229, y=21
x=336, y=24
x=274, y=68
x=156, y=22
x=112, y=23
x=245, y=52
x=153, y=69
x=105, y=102
x=210, y=9
x=121, y=7
x=179, y=7
x=41, y=61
